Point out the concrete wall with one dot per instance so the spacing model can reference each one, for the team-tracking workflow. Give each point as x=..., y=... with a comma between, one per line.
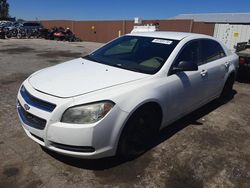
x=104, y=31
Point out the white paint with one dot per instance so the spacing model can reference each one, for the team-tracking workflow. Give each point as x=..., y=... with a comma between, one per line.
x=79, y=77
x=89, y=82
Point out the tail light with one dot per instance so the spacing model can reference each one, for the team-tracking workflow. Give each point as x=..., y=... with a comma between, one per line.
x=242, y=61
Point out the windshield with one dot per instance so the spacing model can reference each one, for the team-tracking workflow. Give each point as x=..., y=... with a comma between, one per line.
x=135, y=53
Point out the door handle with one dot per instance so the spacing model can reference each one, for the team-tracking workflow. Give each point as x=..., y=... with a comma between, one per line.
x=203, y=73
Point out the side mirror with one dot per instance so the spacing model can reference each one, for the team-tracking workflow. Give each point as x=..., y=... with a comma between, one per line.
x=185, y=66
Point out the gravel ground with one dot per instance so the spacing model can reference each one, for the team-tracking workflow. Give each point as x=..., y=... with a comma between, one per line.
x=208, y=148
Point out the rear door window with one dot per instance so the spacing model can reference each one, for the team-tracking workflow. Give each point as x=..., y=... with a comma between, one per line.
x=211, y=51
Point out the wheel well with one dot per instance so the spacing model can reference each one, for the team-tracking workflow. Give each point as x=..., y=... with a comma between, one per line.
x=151, y=106
x=232, y=74
x=228, y=86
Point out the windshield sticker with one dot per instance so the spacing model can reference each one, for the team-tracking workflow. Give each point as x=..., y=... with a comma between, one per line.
x=162, y=41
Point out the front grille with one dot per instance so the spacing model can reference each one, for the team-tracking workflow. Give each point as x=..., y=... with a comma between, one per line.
x=38, y=103
x=86, y=149
x=30, y=119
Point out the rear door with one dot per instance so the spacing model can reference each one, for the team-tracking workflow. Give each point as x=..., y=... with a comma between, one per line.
x=213, y=66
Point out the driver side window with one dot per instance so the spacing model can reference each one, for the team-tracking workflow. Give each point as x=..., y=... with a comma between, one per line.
x=189, y=53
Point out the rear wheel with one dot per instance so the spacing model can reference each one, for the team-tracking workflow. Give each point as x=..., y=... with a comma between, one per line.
x=139, y=133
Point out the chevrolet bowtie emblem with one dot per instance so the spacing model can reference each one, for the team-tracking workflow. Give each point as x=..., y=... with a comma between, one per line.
x=26, y=107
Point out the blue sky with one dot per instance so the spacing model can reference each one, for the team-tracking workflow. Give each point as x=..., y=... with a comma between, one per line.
x=115, y=9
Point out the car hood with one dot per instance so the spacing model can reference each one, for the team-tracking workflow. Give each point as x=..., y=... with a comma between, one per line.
x=80, y=76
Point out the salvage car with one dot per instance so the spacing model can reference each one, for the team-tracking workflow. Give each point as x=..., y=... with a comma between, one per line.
x=243, y=51
x=32, y=25
x=116, y=99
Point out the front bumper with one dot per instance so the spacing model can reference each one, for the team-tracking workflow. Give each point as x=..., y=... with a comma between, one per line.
x=84, y=141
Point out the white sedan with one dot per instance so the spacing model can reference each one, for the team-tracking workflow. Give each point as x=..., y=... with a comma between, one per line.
x=116, y=99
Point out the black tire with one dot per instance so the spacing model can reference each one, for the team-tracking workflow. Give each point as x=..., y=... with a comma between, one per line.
x=19, y=36
x=8, y=36
x=228, y=88
x=139, y=133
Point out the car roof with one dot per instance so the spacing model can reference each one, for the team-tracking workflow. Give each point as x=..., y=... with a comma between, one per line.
x=167, y=35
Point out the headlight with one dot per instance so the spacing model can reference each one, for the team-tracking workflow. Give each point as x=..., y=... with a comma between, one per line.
x=89, y=113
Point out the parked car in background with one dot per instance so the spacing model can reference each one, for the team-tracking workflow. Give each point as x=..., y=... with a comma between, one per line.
x=4, y=22
x=32, y=25
x=23, y=30
x=243, y=51
x=116, y=99
x=13, y=25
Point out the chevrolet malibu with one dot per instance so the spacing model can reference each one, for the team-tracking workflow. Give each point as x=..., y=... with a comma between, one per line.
x=116, y=99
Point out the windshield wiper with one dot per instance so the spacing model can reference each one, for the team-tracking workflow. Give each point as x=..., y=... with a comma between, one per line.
x=127, y=68
x=118, y=65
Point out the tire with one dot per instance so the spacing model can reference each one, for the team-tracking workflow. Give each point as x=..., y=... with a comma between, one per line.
x=139, y=133
x=228, y=88
x=19, y=36
x=8, y=36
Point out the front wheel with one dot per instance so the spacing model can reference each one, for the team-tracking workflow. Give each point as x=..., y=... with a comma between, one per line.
x=139, y=133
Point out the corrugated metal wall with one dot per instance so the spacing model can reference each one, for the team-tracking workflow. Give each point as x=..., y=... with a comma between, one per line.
x=231, y=34
x=104, y=31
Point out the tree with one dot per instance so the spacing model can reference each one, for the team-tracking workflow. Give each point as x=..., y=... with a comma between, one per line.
x=4, y=9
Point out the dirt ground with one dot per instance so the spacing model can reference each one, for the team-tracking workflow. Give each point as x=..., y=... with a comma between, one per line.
x=208, y=148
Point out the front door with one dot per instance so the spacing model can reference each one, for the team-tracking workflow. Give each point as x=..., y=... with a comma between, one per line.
x=185, y=89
